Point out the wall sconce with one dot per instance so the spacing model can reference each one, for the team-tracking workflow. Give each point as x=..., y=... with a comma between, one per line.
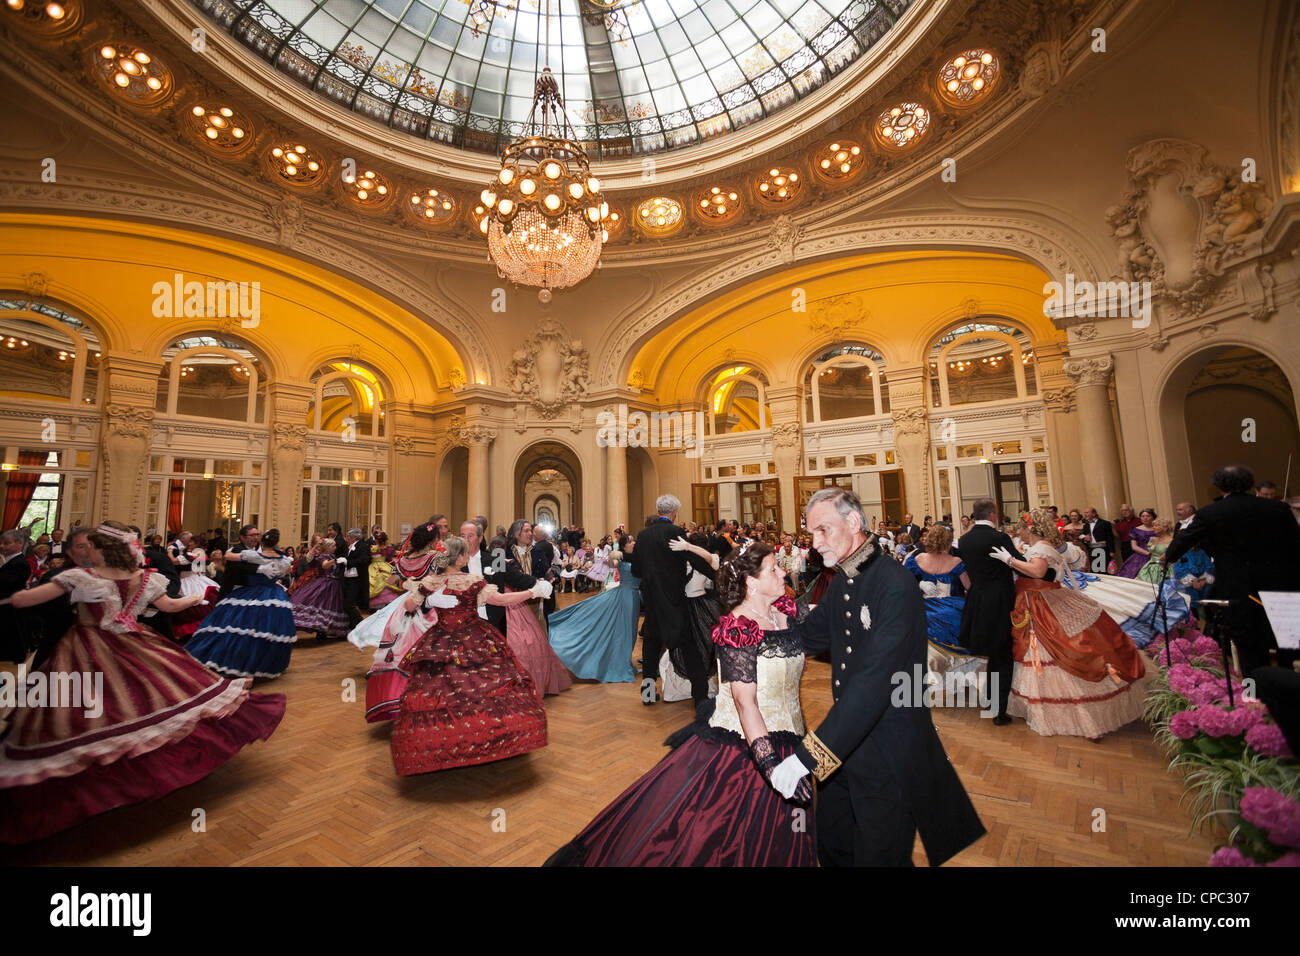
x=8, y=466
x=345, y=482
x=207, y=474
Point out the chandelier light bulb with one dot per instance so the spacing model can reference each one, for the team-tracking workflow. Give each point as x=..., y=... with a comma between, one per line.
x=527, y=186
x=153, y=83
x=552, y=201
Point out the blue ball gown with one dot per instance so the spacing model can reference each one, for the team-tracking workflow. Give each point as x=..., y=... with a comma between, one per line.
x=943, y=620
x=251, y=632
x=594, y=638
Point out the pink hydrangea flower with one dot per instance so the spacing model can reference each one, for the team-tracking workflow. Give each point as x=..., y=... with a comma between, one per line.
x=1213, y=721
x=1183, y=724
x=1275, y=813
x=1287, y=859
x=1207, y=647
x=1268, y=740
x=1243, y=718
x=1230, y=856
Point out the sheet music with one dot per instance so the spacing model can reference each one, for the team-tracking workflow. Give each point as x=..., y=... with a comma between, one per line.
x=1283, y=610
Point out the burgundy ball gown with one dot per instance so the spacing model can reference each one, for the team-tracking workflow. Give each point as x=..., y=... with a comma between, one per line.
x=707, y=803
x=468, y=700
x=164, y=719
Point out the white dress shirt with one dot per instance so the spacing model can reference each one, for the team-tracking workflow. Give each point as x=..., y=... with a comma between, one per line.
x=475, y=566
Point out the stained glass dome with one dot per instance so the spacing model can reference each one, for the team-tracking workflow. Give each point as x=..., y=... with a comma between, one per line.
x=639, y=76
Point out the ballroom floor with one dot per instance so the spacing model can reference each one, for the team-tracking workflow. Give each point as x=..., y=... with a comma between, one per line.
x=322, y=791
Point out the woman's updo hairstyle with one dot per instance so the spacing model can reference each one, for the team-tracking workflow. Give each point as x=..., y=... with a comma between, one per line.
x=271, y=538
x=743, y=562
x=1041, y=523
x=422, y=537
x=116, y=551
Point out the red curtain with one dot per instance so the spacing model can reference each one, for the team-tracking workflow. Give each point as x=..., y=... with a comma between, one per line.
x=175, y=500
x=21, y=487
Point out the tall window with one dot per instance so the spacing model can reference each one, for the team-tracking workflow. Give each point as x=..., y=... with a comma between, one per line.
x=847, y=381
x=737, y=399
x=46, y=353
x=981, y=361
x=347, y=395
x=209, y=377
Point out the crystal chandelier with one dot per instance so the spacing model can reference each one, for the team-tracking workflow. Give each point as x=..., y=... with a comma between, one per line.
x=545, y=218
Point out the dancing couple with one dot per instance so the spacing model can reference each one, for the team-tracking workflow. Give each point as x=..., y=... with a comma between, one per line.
x=727, y=793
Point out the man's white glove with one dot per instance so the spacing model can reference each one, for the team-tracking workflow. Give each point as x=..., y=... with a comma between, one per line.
x=342, y=561
x=542, y=589
x=440, y=599
x=787, y=775
x=1003, y=555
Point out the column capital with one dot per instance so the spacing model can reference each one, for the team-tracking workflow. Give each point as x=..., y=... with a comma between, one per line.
x=786, y=434
x=1094, y=370
x=480, y=435
x=910, y=421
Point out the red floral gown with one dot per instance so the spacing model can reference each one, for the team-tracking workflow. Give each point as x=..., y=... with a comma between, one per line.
x=161, y=719
x=468, y=700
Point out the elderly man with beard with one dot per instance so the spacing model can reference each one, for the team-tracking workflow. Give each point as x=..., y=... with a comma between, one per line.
x=883, y=771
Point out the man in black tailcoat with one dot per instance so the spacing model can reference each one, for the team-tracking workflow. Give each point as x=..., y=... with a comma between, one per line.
x=497, y=569
x=986, y=617
x=237, y=572
x=883, y=771
x=663, y=575
x=17, y=625
x=1098, y=535
x=543, y=564
x=352, y=565
x=1255, y=544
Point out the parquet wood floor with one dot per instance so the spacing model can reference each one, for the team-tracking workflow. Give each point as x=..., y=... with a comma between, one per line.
x=323, y=791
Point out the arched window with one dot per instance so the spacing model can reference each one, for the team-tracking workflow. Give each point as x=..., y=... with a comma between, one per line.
x=737, y=400
x=46, y=353
x=347, y=393
x=981, y=361
x=847, y=381
x=209, y=377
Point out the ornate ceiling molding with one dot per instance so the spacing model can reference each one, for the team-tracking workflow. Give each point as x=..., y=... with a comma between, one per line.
x=1039, y=242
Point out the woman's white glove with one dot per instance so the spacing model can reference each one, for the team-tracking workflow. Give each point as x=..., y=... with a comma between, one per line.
x=677, y=544
x=1003, y=555
x=542, y=589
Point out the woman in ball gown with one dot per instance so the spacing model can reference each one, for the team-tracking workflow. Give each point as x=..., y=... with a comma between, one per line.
x=594, y=638
x=709, y=802
x=318, y=606
x=599, y=569
x=190, y=564
x=392, y=631
x=1133, y=603
x=161, y=722
x=1139, y=539
x=468, y=700
x=1074, y=528
x=524, y=631
x=942, y=578
x=1075, y=671
x=383, y=588
x=251, y=633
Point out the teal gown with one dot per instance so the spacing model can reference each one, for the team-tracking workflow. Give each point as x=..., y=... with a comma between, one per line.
x=594, y=638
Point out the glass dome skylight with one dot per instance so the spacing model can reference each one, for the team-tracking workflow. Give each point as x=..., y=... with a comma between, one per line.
x=639, y=76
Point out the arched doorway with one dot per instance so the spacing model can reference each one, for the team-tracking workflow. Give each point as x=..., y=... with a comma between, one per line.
x=1223, y=405
x=549, y=469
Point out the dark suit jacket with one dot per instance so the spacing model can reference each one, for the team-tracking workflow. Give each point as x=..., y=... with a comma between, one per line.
x=237, y=572
x=357, y=557
x=986, y=618
x=1103, y=535
x=1255, y=544
x=17, y=625
x=510, y=576
x=914, y=530
x=872, y=619
x=663, y=573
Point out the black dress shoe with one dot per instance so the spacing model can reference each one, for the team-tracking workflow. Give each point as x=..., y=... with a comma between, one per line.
x=1001, y=720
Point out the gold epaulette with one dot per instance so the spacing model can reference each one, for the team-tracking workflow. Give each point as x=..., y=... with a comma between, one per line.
x=827, y=762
